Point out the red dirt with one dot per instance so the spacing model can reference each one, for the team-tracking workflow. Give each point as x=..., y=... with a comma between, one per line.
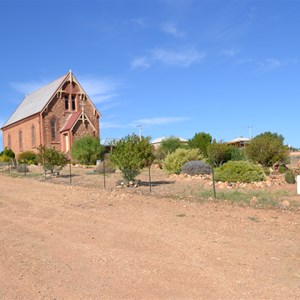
x=61, y=242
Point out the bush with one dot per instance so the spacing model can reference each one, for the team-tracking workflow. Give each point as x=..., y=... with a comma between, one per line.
x=22, y=168
x=218, y=154
x=8, y=153
x=289, y=177
x=87, y=150
x=51, y=159
x=195, y=167
x=237, y=154
x=5, y=158
x=28, y=157
x=174, y=161
x=242, y=171
x=131, y=154
x=267, y=149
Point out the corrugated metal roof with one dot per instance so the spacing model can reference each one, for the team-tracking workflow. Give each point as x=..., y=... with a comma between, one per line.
x=109, y=141
x=71, y=121
x=239, y=139
x=160, y=139
x=34, y=102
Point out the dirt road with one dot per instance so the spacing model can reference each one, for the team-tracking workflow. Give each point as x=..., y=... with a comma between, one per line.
x=60, y=242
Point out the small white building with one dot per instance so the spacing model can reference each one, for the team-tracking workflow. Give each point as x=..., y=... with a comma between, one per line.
x=156, y=142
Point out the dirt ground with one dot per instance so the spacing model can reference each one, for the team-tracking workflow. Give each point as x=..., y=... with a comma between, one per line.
x=72, y=242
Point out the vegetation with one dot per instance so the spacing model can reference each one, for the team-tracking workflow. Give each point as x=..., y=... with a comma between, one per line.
x=218, y=153
x=237, y=154
x=27, y=157
x=200, y=141
x=8, y=152
x=131, y=154
x=51, y=159
x=7, y=155
x=167, y=146
x=267, y=149
x=87, y=150
x=289, y=177
x=195, y=167
x=242, y=171
x=174, y=161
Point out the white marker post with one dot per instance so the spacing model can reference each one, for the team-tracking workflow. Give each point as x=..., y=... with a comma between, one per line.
x=298, y=184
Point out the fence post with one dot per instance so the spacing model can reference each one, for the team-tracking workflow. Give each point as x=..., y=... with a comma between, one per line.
x=213, y=180
x=104, y=174
x=70, y=172
x=150, y=182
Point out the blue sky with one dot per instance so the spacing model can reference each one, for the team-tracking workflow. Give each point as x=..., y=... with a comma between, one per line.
x=229, y=68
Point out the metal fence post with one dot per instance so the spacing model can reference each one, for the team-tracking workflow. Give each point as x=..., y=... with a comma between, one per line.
x=150, y=182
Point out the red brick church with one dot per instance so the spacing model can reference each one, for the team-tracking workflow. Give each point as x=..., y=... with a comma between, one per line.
x=53, y=116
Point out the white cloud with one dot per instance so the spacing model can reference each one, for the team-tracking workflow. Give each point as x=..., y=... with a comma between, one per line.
x=269, y=64
x=229, y=52
x=99, y=89
x=108, y=125
x=170, y=28
x=29, y=87
x=158, y=121
x=180, y=58
x=139, y=21
x=140, y=62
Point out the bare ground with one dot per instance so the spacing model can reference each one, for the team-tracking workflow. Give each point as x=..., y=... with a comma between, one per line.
x=71, y=242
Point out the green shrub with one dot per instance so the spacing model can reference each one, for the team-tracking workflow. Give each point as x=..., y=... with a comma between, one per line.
x=282, y=169
x=241, y=171
x=174, y=161
x=267, y=149
x=218, y=153
x=237, y=154
x=87, y=150
x=5, y=158
x=8, y=153
x=195, y=167
x=289, y=177
x=131, y=154
x=51, y=159
x=28, y=157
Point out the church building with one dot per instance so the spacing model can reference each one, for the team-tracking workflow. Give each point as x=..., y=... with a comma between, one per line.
x=53, y=116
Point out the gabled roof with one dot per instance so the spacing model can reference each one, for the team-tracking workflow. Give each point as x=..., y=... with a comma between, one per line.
x=160, y=139
x=71, y=121
x=35, y=102
x=239, y=139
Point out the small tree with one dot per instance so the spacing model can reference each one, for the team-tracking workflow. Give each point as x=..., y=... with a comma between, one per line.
x=267, y=149
x=8, y=153
x=87, y=150
x=131, y=154
x=200, y=141
x=27, y=157
x=218, y=154
x=51, y=159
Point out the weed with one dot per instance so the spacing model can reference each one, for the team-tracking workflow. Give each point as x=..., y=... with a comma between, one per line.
x=253, y=218
x=181, y=215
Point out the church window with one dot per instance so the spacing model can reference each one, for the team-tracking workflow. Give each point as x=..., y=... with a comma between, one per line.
x=9, y=141
x=33, y=136
x=73, y=103
x=20, y=140
x=66, y=102
x=53, y=126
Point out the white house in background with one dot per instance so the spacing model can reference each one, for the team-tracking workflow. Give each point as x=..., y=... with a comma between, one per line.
x=156, y=142
x=239, y=142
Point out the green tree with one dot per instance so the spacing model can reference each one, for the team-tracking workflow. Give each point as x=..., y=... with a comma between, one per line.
x=267, y=148
x=218, y=154
x=200, y=141
x=51, y=159
x=131, y=154
x=8, y=153
x=87, y=150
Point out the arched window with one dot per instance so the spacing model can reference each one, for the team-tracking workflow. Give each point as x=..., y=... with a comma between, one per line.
x=33, y=144
x=20, y=140
x=53, y=126
x=9, y=141
x=66, y=99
